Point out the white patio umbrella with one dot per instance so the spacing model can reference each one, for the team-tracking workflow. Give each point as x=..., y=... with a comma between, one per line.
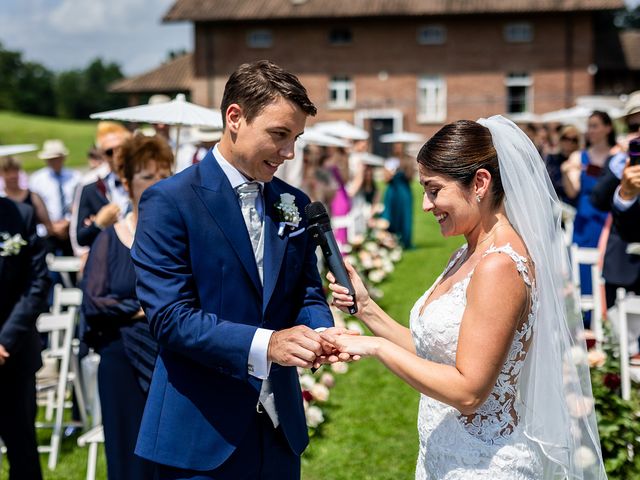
x=177, y=112
x=6, y=150
x=312, y=136
x=370, y=159
x=402, y=137
x=342, y=129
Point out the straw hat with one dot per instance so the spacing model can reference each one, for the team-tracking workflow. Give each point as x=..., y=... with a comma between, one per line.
x=52, y=149
x=633, y=104
x=207, y=134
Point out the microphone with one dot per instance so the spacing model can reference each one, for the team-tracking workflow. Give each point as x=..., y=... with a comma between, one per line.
x=320, y=230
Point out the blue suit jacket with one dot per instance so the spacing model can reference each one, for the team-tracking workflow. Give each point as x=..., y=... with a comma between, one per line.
x=199, y=286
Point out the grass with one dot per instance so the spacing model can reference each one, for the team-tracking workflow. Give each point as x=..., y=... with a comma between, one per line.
x=371, y=418
x=77, y=135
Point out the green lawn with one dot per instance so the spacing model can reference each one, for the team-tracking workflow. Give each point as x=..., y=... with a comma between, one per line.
x=78, y=136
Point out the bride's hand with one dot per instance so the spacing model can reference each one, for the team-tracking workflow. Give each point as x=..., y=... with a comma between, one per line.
x=354, y=345
x=341, y=298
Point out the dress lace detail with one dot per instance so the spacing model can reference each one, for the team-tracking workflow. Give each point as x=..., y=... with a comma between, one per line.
x=489, y=443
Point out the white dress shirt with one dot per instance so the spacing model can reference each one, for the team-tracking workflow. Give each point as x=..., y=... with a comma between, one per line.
x=45, y=183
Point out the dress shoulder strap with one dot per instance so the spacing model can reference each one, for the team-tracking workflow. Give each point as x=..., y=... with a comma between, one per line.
x=520, y=261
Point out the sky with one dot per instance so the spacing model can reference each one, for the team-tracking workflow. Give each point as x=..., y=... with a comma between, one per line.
x=66, y=34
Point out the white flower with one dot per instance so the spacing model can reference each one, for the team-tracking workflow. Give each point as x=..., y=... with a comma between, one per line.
x=307, y=381
x=578, y=405
x=314, y=416
x=355, y=326
x=319, y=392
x=578, y=355
x=327, y=380
x=396, y=255
x=584, y=457
x=376, y=276
x=289, y=213
x=340, y=368
x=596, y=358
x=11, y=245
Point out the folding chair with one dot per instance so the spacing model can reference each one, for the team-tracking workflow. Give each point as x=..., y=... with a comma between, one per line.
x=63, y=298
x=93, y=438
x=626, y=304
x=568, y=213
x=589, y=303
x=63, y=325
x=64, y=266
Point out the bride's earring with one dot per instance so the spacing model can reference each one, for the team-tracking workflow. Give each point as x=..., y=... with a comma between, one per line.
x=478, y=198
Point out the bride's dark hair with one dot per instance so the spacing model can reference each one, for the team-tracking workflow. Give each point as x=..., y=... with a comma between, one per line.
x=458, y=150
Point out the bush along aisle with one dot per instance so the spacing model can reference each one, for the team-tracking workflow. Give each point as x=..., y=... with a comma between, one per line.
x=618, y=419
x=373, y=255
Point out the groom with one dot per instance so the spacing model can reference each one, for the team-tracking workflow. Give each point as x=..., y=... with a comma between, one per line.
x=232, y=295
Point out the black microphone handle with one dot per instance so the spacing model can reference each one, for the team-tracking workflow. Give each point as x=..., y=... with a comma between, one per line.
x=332, y=255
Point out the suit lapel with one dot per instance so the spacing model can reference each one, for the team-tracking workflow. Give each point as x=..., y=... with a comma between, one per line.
x=274, y=246
x=222, y=203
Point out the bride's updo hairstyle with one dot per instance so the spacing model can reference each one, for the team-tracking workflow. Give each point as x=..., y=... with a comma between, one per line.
x=458, y=150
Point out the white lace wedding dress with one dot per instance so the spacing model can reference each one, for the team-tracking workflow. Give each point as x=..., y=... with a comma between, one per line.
x=489, y=444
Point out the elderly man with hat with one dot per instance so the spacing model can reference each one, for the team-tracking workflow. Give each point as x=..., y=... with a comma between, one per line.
x=56, y=186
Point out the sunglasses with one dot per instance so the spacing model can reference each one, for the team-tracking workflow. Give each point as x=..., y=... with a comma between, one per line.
x=108, y=152
x=570, y=139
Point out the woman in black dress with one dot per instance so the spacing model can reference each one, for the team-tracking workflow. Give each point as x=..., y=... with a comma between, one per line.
x=118, y=330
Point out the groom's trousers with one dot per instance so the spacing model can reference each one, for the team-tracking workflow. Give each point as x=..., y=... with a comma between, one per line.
x=264, y=454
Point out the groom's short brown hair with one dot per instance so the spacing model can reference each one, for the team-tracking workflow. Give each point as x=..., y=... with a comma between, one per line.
x=255, y=85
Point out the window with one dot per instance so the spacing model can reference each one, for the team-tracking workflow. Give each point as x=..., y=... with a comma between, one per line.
x=341, y=92
x=432, y=99
x=340, y=36
x=518, y=32
x=432, y=35
x=260, y=39
x=518, y=93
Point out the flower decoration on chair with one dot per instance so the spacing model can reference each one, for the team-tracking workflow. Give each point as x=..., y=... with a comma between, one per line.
x=289, y=213
x=11, y=245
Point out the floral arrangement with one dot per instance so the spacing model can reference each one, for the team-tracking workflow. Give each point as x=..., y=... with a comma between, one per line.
x=618, y=419
x=373, y=255
x=288, y=211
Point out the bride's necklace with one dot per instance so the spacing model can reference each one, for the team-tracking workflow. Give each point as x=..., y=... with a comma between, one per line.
x=489, y=234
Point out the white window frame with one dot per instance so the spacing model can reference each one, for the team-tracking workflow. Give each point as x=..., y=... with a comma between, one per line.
x=431, y=99
x=260, y=38
x=436, y=31
x=520, y=79
x=342, y=84
x=518, y=32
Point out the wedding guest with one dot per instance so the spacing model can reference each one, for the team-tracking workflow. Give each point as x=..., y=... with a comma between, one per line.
x=398, y=199
x=337, y=164
x=569, y=143
x=24, y=283
x=580, y=173
x=56, y=185
x=204, y=139
x=117, y=326
x=10, y=169
x=103, y=201
x=489, y=346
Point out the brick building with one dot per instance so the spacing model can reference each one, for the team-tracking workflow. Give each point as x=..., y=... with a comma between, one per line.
x=389, y=65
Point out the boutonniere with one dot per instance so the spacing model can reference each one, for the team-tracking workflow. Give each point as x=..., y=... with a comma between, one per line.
x=288, y=211
x=11, y=245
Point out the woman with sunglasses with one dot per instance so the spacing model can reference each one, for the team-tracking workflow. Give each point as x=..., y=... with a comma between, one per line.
x=569, y=143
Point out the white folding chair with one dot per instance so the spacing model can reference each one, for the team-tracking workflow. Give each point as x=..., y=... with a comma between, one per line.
x=93, y=438
x=63, y=298
x=589, y=303
x=63, y=324
x=627, y=305
x=64, y=266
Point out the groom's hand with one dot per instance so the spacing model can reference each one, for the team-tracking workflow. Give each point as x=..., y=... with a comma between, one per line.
x=299, y=346
x=330, y=353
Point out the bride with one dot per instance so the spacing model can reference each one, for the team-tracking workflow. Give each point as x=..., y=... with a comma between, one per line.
x=490, y=343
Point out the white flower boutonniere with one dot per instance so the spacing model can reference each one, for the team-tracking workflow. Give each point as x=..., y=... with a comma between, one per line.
x=289, y=213
x=11, y=245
